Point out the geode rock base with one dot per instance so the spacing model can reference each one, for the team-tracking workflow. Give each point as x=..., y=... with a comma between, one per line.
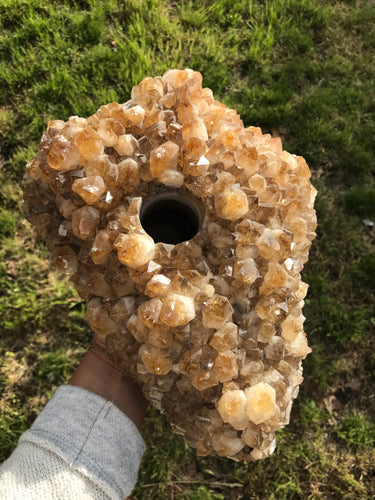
x=185, y=233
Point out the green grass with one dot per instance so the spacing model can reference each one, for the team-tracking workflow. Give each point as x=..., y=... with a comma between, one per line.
x=356, y=430
x=7, y=224
x=301, y=69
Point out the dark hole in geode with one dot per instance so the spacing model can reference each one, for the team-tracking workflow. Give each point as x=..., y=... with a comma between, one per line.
x=169, y=220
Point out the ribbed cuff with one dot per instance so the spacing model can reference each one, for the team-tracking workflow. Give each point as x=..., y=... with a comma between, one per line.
x=93, y=436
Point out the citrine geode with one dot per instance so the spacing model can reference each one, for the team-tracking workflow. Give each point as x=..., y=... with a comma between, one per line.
x=211, y=327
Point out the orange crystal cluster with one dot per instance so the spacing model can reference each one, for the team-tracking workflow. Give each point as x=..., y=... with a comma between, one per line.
x=212, y=327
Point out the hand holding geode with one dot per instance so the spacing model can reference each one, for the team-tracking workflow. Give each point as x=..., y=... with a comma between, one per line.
x=185, y=233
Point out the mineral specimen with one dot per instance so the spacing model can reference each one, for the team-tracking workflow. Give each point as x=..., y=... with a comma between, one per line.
x=186, y=234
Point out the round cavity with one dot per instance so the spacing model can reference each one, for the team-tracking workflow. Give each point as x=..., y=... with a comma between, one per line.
x=170, y=218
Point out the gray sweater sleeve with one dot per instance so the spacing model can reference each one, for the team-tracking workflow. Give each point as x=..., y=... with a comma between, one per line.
x=80, y=447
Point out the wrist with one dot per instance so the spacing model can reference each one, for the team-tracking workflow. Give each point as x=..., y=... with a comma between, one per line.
x=98, y=373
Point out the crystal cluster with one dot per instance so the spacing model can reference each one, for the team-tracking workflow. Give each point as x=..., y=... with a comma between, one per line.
x=212, y=327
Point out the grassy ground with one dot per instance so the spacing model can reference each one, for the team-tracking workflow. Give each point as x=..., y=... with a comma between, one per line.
x=301, y=69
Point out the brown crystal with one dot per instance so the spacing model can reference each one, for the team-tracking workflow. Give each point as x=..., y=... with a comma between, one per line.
x=149, y=312
x=85, y=221
x=109, y=130
x=136, y=250
x=89, y=144
x=226, y=366
x=212, y=327
x=164, y=158
x=205, y=379
x=155, y=359
x=216, y=312
x=63, y=155
x=177, y=310
x=261, y=402
x=101, y=247
x=125, y=145
x=246, y=270
x=226, y=338
x=66, y=259
x=232, y=408
x=89, y=189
